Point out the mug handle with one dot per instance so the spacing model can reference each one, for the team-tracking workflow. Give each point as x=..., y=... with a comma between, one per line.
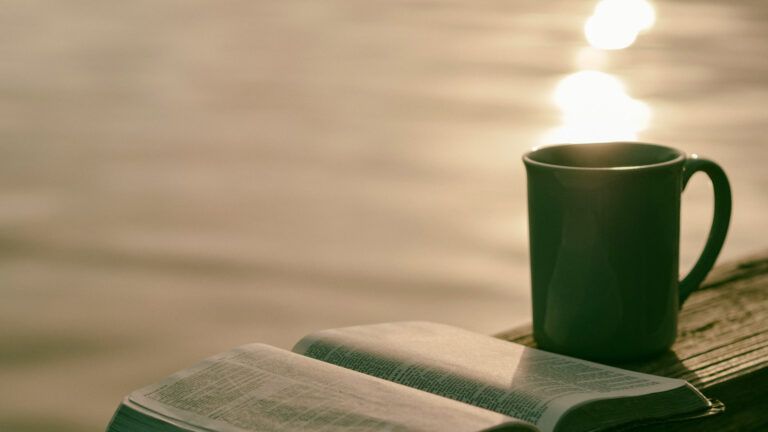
x=720, y=221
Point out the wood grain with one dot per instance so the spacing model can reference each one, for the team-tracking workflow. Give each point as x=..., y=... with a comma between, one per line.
x=722, y=346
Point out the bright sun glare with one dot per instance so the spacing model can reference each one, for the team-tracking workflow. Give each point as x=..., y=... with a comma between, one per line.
x=615, y=24
x=596, y=107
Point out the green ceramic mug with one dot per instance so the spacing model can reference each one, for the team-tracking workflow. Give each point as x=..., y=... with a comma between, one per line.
x=604, y=223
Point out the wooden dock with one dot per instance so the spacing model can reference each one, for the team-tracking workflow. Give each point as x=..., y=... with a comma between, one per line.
x=722, y=347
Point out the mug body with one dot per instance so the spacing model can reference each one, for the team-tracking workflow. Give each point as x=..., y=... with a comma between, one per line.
x=604, y=225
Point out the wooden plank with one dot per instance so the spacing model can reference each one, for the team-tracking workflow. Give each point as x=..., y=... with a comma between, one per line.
x=722, y=346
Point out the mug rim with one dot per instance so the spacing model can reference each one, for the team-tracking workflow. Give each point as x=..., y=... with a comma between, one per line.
x=679, y=158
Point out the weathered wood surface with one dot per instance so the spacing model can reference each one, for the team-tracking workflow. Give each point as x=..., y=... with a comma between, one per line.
x=722, y=347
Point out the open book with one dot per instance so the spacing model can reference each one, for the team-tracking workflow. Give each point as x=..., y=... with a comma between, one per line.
x=404, y=376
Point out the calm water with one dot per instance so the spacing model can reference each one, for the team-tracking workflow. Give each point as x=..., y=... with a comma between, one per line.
x=180, y=177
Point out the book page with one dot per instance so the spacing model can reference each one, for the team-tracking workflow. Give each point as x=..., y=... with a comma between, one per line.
x=508, y=378
x=262, y=388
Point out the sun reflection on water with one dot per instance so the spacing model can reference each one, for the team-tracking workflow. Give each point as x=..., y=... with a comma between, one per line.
x=595, y=107
x=615, y=24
